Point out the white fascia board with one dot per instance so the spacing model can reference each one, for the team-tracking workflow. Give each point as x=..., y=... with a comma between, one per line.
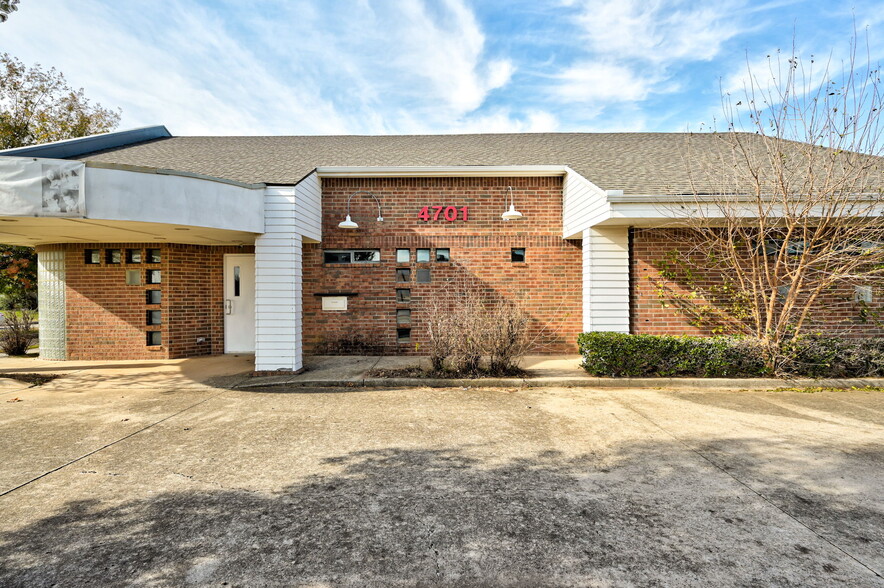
x=169, y=172
x=468, y=171
x=584, y=204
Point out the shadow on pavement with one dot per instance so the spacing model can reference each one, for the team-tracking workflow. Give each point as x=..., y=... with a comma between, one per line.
x=404, y=517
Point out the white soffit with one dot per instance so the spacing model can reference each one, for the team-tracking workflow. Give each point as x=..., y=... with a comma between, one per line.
x=31, y=231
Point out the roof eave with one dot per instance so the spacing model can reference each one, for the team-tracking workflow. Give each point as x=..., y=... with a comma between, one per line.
x=481, y=171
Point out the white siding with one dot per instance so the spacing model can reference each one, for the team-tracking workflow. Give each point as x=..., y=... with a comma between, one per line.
x=278, y=285
x=292, y=215
x=308, y=212
x=583, y=205
x=606, y=279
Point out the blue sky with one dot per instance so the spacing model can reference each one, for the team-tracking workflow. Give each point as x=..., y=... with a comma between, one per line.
x=281, y=67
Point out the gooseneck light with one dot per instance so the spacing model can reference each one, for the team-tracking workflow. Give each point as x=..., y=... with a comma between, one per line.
x=512, y=213
x=349, y=223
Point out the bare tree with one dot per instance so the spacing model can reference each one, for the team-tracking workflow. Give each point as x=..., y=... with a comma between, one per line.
x=785, y=219
x=7, y=7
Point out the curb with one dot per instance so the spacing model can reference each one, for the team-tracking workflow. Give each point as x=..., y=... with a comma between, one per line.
x=651, y=383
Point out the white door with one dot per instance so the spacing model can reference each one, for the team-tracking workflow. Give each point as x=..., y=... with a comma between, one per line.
x=239, y=303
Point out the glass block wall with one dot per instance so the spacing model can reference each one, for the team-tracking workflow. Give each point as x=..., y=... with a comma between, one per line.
x=51, y=299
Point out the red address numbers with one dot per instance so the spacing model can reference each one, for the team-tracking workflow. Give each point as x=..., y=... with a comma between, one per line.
x=447, y=213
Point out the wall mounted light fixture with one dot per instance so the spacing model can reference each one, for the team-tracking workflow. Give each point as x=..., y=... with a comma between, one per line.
x=349, y=223
x=512, y=213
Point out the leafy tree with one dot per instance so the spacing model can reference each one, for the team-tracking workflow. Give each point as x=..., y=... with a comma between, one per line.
x=18, y=277
x=6, y=8
x=38, y=106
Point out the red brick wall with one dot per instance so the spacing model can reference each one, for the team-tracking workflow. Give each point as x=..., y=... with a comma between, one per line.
x=652, y=314
x=106, y=319
x=548, y=285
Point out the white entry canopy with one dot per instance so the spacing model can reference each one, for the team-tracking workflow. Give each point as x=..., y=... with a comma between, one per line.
x=45, y=201
x=42, y=187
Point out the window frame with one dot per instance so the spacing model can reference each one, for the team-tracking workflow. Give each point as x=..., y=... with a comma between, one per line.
x=352, y=256
x=92, y=256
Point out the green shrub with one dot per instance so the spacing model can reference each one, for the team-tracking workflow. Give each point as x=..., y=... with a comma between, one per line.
x=817, y=356
x=618, y=354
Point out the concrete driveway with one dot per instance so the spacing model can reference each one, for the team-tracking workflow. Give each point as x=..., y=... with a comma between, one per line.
x=439, y=487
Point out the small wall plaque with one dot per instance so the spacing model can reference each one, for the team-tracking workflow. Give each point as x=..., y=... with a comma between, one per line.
x=334, y=303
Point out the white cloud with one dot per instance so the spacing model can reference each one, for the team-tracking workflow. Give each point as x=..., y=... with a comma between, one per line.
x=595, y=82
x=632, y=46
x=658, y=31
x=446, y=49
x=271, y=68
x=502, y=120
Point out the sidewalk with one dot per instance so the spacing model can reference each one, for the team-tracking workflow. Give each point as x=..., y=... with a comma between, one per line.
x=546, y=371
x=172, y=373
x=352, y=370
x=234, y=372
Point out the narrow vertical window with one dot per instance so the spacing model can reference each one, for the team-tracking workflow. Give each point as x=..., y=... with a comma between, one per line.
x=236, y=280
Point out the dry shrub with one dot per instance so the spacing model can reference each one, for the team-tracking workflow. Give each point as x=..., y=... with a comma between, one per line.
x=506, y=337
x=469, y=322
x=18, y=334
x=441, y=333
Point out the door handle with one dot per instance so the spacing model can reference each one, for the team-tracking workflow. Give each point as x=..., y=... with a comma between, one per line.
x=228, y=306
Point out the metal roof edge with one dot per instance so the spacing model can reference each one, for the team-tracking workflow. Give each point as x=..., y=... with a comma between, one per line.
x=82, y=145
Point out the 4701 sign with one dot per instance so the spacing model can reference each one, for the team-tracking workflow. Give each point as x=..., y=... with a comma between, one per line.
x=444, y=213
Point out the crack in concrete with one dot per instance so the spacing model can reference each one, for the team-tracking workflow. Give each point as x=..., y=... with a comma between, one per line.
x=757, y=493
x=111, y=444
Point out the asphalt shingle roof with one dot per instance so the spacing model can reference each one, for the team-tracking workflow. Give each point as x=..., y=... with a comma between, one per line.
x=637, y=163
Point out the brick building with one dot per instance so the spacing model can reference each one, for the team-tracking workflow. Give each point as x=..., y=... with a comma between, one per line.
x=153, y=246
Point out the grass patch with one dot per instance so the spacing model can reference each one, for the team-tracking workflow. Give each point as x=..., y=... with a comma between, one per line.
x=35, y=315
x=419, y=372
x=32, y=379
